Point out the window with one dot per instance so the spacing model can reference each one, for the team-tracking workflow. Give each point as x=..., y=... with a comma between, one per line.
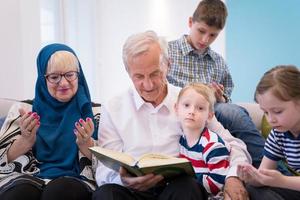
x=50, y=20
x=72, y=22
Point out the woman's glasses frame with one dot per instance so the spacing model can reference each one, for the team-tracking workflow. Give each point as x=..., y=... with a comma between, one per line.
x=55, y=78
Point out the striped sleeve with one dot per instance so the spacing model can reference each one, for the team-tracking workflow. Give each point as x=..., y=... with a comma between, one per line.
x=216, y=158
x=210, y=159
x=272, y=149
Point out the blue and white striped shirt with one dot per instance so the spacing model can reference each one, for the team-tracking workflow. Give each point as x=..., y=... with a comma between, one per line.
x=283, y=146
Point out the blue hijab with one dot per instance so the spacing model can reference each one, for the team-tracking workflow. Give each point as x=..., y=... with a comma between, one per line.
x=55, y=147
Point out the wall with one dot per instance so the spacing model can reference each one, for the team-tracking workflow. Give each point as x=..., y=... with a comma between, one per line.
x=20, y=40
x=260, y=35
x=95, y=29
x=117, y=20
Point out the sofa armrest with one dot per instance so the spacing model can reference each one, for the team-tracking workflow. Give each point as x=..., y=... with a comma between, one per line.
x=5, y=105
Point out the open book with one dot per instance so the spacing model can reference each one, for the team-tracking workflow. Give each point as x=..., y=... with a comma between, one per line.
x=166, y=166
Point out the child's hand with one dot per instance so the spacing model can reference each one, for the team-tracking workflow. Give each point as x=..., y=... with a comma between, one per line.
x=248, y=174
x=270, y=177
x=219, y=91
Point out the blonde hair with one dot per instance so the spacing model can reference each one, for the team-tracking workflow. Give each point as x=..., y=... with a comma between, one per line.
x=202, y=89
x=63, y=58
x=283, y=81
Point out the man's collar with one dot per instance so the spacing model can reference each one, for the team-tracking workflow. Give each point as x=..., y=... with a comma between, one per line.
x=139, y=101
x=185, y=46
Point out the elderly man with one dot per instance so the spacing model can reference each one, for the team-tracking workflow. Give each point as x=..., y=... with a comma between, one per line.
x=142, y=120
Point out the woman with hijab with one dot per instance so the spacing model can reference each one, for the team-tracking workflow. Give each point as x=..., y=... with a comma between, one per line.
x=44, y=143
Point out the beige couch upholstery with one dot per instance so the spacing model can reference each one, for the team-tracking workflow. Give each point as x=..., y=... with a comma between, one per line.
x=254, y=111
x=5, y=104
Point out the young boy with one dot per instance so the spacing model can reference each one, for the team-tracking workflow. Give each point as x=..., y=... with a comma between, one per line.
x=204, y=148
x=192, y=60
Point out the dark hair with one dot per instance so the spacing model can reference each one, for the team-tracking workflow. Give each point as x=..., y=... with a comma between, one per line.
x=283, y=80
x=212, y=12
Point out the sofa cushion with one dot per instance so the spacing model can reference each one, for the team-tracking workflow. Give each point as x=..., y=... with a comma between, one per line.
x=255, y=113
x=265, y=127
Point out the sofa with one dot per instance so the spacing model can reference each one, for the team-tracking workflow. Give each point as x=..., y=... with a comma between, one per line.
x=5, y=104
x=253, y=109
x=255, y=113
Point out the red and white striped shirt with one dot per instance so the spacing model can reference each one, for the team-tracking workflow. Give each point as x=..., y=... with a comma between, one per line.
x=210, y=159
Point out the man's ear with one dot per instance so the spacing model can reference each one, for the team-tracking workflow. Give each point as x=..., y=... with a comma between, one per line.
x=170, y=61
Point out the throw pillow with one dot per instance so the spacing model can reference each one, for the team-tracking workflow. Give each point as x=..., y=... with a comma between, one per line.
x=265, y=127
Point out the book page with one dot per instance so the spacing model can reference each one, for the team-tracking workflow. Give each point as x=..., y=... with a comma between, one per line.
x=153, y=159
x=120, y=156
x=167, y=166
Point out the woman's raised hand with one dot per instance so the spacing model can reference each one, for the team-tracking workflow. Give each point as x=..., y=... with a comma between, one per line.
x=29, y=124
x=84, y=131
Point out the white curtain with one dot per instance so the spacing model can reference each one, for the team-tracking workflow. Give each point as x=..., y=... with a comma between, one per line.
x=72, y=22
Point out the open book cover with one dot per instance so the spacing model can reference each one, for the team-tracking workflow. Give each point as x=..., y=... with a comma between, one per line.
x=166, y=166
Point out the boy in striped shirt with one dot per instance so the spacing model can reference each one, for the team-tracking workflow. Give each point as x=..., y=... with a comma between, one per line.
x=204, y=148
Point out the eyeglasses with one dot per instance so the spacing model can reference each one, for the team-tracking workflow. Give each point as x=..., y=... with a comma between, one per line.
x=56, y=78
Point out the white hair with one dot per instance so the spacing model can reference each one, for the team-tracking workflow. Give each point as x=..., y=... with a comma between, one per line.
x=140, y=43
